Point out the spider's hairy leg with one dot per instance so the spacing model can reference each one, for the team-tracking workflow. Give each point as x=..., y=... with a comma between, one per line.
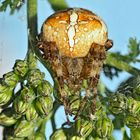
x=98, y=53
x=108, y=44
x=93, y=63
x=82, y=104
x=51, y=54
x=39, y=42
x=50, y=51
x=63, y=97
x=58, y=68
x=93, y=84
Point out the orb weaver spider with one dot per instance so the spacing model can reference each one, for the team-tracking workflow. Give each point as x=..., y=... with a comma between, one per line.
x=75, y=42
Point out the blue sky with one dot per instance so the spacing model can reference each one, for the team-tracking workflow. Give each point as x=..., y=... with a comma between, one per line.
x=121, y=17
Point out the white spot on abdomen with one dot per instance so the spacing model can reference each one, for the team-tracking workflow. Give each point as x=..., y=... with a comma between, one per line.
x=73, y=19
x=83, y=22
x=71, y=49
x=55, y=33
x=85, y=29
x=49, y=27
x=65, y=39
x=72, y=30
x=71, y=34
x=62, y=21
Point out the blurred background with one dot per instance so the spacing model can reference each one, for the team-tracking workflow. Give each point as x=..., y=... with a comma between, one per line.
x=122, y=19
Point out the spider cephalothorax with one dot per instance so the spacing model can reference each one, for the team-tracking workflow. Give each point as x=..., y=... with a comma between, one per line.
x=75, y=42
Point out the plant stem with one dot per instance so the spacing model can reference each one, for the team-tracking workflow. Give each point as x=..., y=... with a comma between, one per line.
x=32, y=33
x=32, y=28
x=116, y=62
x=42, y=126
x=32, y=17
x=31, y=24
x=56, y=106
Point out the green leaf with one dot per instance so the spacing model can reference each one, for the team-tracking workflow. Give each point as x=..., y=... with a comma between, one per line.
x=111, y=71
x=58, y=4
x=115, y=60
x=134, y=47
x=134, y=51
x=13, y=4
x=4, y=5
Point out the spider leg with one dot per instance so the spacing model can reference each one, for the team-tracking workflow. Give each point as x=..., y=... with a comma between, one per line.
x=64, y=99
x=108, y=44
x=65, y=103
x=94, y=83
x=51, y=54
x=92, y=65
x=82, y=104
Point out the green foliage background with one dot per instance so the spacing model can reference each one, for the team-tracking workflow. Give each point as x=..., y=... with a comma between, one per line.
x=24, y=112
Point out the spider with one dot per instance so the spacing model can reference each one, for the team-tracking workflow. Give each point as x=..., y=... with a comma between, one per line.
x=75, y=41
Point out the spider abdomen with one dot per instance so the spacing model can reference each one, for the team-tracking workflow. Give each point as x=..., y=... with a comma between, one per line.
x=74, y=31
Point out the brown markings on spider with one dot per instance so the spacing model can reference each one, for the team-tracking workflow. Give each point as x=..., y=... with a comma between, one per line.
x=75, y=42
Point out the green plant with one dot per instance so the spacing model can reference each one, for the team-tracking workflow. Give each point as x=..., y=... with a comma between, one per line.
x=24, y=113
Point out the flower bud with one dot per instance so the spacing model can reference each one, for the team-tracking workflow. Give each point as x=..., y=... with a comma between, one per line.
x=31, y=113
x=32, y=63
x=21, y=67
x=117, y=103
x=84, y=127
x=44, y=88
x=10, y=79
x=132, y=121
x=59, y=135
x=27, y=94
x=20, y=106
x=14, y=138
x=35, y=77
x=74, y=104
x=98, y=138
x=3, y=88
x=99, y=112
x=95, y=138
x=1, y=109
x=133, y=106
x=57, y=92
x=7, y=118
x=76, y=138
x=104, y=127
x=39, y=136
x=44, y=104
x=136, y=92
x=90, y=137
x=23, y=128
x=5, y=95
x=85, y=84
